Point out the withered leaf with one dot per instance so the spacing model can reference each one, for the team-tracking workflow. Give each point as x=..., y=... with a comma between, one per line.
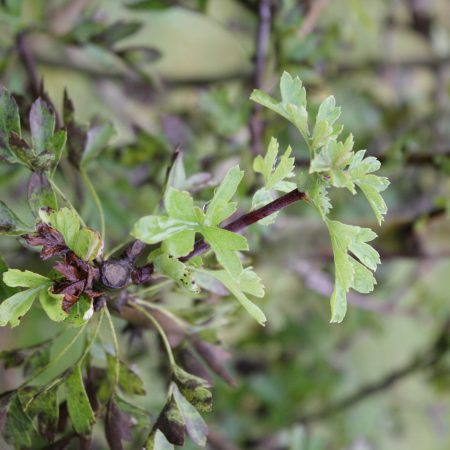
x=117, y=426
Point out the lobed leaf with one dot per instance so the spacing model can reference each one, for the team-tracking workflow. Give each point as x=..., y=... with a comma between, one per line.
x=25, y=278
x=219, y=208
x=238, y=285
x=15, y=307
x=52, y=305
x=154, y=229
x=225, y=244
x=350, y=273
x=292, y=105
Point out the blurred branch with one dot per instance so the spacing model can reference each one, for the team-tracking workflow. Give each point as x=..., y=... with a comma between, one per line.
x=425, y=360
x=256, y=125
x=138, y=83
x=29, y=63
x=377, y=65
x=311, y=18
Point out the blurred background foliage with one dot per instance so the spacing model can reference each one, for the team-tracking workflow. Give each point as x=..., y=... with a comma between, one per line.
x=170, y=73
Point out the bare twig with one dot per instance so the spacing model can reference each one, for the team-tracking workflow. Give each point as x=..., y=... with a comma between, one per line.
x=262, y=43
x=29, y=63
x=31, y=70
x=312, y=18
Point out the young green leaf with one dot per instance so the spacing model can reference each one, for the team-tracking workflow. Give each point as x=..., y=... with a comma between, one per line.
x=324, y=130
x=67, y=222
x=52, y=304
x=154, y=229
x=248, y=282
x=350, y=273
x=80, y=411
x=88, y=244
x=225, y=245
x=180, y=205
x=371, y=185
x=292, y=105
x=317, y=193
x=345, y=168
x=179, y=244
x=175, y=269
x=272, y=172
x=219, y=208
x=14, y=308
x=25, y=278
x=5, y=290
x=274, y=177
x=80, y=312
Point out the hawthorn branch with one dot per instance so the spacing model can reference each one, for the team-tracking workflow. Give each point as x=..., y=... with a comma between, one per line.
x=115, y=273
x=250, y=218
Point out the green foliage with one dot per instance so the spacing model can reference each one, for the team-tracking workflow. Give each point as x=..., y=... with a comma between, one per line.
x=18, y=429
x=80, y=411
x=247, y=283
x=177, y=230
x=186, y=222
x=274, y=174
x=85, y=242
x=333, y=164
x=15, y=307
